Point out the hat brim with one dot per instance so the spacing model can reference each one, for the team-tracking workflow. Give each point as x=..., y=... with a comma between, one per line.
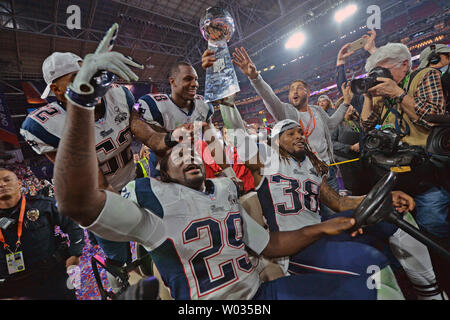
x=46, y=92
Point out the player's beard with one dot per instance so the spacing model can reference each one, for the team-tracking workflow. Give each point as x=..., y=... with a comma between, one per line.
x=194, y=182
x=299, y=155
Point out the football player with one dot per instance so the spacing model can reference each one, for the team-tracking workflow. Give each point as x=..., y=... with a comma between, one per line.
x=116, y=122
x=183, y=105
x=196, y=230
x=291, y=182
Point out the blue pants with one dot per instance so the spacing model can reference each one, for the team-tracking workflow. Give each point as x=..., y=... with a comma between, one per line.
x=344, y=254
x=316, y=287
x=432, y=212
x=119, y=252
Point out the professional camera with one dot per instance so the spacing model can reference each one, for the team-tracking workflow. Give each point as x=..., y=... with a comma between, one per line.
x=385, y=141
x=438, y=142
x=383, y=150
x=438, y=146
x=360, y=86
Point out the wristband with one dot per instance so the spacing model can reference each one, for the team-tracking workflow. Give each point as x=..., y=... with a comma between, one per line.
x=87, y=101
x=168, y=140
x=101, y=82
x=229, y=172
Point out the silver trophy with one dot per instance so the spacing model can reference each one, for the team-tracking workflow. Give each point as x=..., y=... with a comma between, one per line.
x=217, y=27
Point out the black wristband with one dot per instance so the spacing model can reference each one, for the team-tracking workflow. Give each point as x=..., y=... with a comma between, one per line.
x=168, y=140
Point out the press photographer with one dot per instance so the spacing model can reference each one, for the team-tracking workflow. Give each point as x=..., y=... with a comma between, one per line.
x=401, y=100
x=437, y=56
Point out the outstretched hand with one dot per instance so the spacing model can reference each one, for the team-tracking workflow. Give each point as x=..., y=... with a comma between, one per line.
x=370, y=41
x=337, y=225
x=243, y=61
x=104, y=59
x=343, y=54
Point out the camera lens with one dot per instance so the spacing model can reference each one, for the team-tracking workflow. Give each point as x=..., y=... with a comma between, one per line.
x=372, y=142
x=442, y=142
x=358, y=86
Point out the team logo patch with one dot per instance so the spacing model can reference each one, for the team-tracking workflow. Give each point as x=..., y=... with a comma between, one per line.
x=33, y=214
x=232, y=200
x=121, y=117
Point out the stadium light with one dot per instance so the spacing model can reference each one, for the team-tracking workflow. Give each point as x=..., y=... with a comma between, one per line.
x=295, y=41
x=344, y=13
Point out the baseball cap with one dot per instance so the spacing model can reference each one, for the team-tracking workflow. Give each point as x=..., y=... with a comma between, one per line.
x=440, y=48
x=56, y=65
x=282, y=126
x=324, y=96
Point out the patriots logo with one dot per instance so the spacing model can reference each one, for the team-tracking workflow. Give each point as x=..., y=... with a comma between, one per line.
x=125, y=193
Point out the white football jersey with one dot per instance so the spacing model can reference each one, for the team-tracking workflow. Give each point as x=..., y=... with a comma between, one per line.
x=204, y=256
x=289, y=192
x=161, y=110
x=43, y=129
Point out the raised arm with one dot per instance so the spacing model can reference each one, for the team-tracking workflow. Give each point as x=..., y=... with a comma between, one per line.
x=274, y=105
x=246, y=146
x=76, y=166
x=278, y=109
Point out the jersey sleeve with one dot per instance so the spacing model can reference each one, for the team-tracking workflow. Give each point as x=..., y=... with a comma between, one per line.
x=39, y=138
x=254, y=235
x=149, y=110
x=129, y=96
x=123, y=219
x=208, y=105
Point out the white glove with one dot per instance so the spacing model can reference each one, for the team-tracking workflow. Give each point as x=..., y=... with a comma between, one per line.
x=86, y=89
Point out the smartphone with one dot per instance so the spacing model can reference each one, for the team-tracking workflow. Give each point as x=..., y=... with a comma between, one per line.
x=357, y=44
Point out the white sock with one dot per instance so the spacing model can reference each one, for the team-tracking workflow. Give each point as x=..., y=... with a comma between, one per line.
x=415, y=260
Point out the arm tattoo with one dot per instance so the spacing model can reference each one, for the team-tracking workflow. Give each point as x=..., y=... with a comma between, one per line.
x=336, y=202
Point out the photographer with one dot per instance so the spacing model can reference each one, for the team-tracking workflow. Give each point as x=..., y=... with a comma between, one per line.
x=345, y=52
x=400, y=100
x=33, y=260
x=437, y=56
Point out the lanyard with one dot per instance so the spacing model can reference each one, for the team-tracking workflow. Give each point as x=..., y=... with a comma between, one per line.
x=353, y=126
x=19, y=228
x=306, y=132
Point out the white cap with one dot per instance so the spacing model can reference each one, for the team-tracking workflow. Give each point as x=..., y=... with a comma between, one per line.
x=282, y=126
x=424, y=55
x=56, y=65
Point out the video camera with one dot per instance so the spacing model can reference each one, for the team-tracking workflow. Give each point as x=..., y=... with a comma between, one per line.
x=430, y=166
x=384, y=148
x=361, y=86
x=438, y=146
x=438, y=142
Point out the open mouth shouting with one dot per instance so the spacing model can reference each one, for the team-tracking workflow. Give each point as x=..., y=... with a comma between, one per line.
x=192, y=169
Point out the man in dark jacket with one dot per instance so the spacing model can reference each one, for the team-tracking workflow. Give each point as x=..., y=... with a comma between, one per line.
x=33, y=260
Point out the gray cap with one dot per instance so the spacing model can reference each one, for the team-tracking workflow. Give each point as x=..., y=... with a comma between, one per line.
x=440, y=48
x=56, y=65
x=282, y=126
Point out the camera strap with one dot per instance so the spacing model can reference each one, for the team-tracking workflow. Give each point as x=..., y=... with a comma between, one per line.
x=398, y=118
x=19, y=228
